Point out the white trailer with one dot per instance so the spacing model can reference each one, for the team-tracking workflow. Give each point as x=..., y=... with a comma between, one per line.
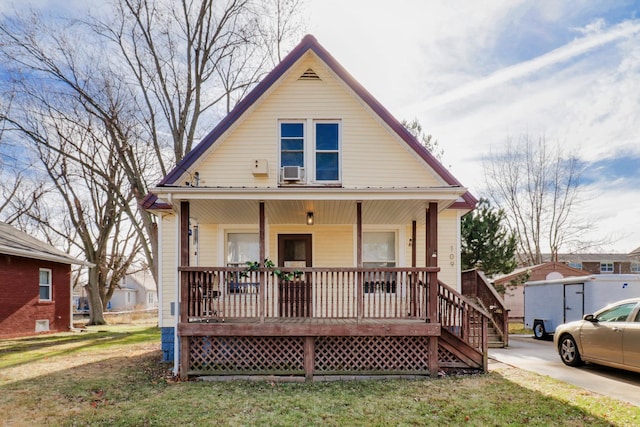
x=549, y=303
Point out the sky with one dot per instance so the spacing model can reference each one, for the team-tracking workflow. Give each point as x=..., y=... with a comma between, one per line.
x=477, y=73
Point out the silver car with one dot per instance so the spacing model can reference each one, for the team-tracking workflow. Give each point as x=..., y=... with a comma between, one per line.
x=610, y=336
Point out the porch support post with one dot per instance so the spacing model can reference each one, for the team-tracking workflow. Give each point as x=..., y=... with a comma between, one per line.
x=263, y=275
x=432, y=261
x=360, y=281
x=309, y=357
x=432, y=303
x=183, y=313
x=414, y=277
x=432, y=235
x=414, y=246
x=184, y=234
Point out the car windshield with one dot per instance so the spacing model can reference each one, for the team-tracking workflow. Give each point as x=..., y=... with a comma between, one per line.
x=619, y=313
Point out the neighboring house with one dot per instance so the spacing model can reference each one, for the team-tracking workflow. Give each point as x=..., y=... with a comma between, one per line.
x=513, y=283
x=310, y=172
x=600, y=263
x=35, y=285
x=137, y=291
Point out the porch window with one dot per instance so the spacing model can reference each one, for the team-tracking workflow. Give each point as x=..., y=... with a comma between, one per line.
x=635, y=267
x=379, y=251
x=606, y=267
x=327, y=150
x=242, y=248
x=45, y=284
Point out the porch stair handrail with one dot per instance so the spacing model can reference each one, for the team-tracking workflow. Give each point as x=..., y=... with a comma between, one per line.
x=463, y=318
x=476, y=285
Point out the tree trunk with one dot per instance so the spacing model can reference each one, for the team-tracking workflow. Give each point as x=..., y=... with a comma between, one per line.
x=96, y=312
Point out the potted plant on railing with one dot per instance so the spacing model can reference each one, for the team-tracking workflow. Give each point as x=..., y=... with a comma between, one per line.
x=254, y=266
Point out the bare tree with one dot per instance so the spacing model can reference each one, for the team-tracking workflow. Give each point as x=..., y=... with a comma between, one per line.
x=19, y=192
x=154, y=76
x=87, y=212
x=538, y=186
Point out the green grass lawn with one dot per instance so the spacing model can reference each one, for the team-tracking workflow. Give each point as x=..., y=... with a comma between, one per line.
x=112, y=376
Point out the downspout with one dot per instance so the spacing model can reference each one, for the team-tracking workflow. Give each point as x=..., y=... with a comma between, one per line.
x=70, y=299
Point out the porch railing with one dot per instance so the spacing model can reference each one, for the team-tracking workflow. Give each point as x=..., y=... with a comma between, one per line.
x=462, y=318
x=476, y=285
x=211, y=294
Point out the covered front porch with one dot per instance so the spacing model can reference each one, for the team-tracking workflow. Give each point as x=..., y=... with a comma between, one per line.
x=300, y=316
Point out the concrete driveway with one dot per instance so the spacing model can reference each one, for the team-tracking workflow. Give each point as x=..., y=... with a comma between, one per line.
x=540, y=357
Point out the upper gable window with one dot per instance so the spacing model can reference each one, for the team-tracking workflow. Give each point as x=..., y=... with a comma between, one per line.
x=327, y=151
x=292, y=144
x=310, y=152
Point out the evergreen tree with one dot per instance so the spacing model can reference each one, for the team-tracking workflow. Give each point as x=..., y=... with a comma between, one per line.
x=487, y=244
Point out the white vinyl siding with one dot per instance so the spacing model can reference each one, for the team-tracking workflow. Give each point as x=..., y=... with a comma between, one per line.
x=169, y=241
x=370, y=155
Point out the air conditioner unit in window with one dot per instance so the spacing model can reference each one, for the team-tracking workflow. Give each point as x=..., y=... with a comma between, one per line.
x=291, y=173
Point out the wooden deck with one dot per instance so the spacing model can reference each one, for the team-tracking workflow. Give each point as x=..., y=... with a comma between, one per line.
x=347, y=321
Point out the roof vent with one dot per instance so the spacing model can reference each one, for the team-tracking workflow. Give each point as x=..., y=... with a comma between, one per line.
x=309, y=74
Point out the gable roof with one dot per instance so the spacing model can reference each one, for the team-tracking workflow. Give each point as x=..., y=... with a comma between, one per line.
x=547, y=267
x=18, y=243
x=309, y=43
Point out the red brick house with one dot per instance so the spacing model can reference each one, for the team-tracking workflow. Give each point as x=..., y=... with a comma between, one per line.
x=35, y=285
x=600, y=263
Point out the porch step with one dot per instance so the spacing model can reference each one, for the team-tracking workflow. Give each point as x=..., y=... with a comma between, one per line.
x=494, y=340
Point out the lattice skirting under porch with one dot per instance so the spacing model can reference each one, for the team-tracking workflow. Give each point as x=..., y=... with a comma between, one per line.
x=332, y=355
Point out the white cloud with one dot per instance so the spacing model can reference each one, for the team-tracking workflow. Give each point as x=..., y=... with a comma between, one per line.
x=578, y=47
x=438, y=61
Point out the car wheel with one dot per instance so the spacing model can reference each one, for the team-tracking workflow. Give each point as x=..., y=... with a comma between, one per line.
x=538, y=330
x=569, y=351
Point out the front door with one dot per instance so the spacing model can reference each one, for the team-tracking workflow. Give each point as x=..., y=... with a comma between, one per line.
x=294, y=251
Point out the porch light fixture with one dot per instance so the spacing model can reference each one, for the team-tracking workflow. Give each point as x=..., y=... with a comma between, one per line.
x=310, y=219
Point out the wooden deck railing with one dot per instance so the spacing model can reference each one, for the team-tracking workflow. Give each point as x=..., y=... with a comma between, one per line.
x=462, y=318
x=476, y=285
x=215, y=293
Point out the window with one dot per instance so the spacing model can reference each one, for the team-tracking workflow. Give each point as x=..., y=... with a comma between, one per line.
x=327, y=151
x=150, y=298
x=313, y=146
x=635, y=267
x=242, y=248
x=619, y=313
x=379, y=250
x=575, y=264
x=45, y=284
x=292, y=144
x=606, y=267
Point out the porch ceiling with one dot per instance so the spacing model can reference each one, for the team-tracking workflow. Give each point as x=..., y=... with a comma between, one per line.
x=294, y=211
